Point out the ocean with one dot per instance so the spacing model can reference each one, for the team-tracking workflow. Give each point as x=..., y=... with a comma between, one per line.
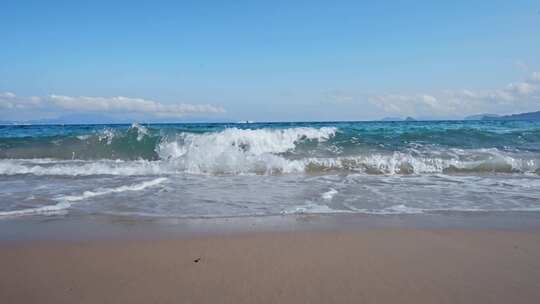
x=269, y=169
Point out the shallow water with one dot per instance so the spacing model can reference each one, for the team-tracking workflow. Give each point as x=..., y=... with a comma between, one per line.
x=224, y=170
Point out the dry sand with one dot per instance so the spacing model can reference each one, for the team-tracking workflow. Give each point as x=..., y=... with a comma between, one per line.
x=370, y=266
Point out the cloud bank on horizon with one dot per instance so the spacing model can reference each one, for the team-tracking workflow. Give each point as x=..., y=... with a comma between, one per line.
x=9, y=101
x=513, y=98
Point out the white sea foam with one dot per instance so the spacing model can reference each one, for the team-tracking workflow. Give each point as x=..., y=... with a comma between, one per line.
x=406, y=163
x=328, y=195
x=403, y=209
x=104, y=191
x=84, y=137
x=312, y=208
x=38, y=210
x=65, y=202
x=395, y=209
x=83, y=168
x=396, y=163
x=107, y=135
x=141, y=131
x=240, y=151
x=238, y=162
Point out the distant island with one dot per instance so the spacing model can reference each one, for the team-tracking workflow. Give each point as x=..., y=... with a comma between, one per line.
x=521, y=116
x=482, y=117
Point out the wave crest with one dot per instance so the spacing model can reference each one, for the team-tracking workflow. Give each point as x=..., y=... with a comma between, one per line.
x=264, y=151
x=240, y=151
x=397, y=163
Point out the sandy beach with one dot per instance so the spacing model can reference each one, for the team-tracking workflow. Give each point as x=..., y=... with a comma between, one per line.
x=384, y=265
x=253, y=152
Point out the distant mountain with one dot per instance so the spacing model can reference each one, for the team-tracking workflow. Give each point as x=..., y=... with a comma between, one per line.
x=521, y=116
x=484, y=116
x=409, y=119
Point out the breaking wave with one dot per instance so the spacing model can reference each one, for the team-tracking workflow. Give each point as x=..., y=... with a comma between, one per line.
x=140, y=150
x=245, y=163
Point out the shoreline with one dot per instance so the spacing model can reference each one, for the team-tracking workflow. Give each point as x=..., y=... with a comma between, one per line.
x=81, y=227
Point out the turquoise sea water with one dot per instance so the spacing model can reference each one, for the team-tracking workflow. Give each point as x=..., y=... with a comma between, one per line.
x=214, y=170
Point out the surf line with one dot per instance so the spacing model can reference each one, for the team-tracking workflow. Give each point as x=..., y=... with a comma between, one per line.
x=65, y=202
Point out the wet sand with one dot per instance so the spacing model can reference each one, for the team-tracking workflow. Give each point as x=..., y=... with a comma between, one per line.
x=379, y=265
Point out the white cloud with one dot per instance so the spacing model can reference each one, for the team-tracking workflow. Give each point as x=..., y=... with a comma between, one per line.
x=11, y=101
x=119, y=104
x=522, y=88
x=515, y=97
x=535, y=77
x=7, y=95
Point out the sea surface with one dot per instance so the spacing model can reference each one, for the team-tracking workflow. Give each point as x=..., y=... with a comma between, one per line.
x=269, y=169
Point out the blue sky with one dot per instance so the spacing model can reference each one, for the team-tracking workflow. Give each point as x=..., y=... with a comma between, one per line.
x=269, y=61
